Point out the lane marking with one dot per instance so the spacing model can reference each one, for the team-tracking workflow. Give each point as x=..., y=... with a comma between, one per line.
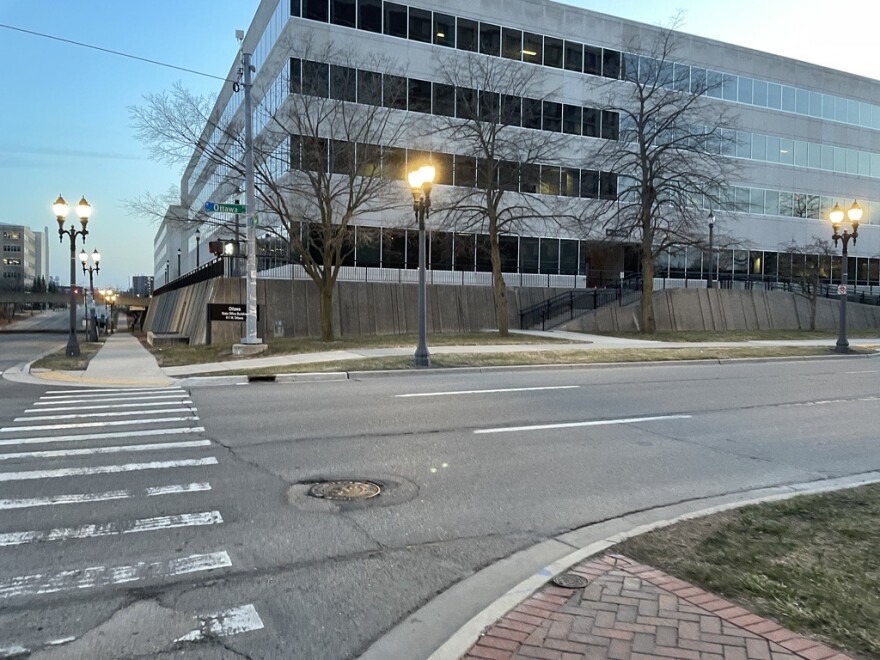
x=602, y=422
x=225, y=624
x=103, y=576
x=123, y=398
x=83, y=425
x=85, y=498
x=113, y=389
x=105, y=469
x=116, y=449
x=108, y=407
x=96, y=530
x=507, y=389
x=49, y=439
x=114, y=395
x=124, y=413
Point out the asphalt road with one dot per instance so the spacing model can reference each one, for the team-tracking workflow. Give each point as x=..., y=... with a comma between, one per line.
x=466, y=482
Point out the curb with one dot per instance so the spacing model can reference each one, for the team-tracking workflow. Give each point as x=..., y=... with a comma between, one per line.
x=446, y=627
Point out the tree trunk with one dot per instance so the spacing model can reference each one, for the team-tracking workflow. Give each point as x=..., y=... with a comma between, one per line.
x=647, y=302
x=499, y=287
x=327, y=312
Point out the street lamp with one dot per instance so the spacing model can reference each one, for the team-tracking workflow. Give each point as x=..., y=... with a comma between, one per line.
x=854, y=215
x=711, y=236
x=92, y=321
x=420, y=182
x=83, y=212
x=166, y=270
x=198, y=240
x=178, y=263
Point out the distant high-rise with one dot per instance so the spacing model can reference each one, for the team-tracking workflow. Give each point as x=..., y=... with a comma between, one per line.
x=142, y=285
x=23, y=260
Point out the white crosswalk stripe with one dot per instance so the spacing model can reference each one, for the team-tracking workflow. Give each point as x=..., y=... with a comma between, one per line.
x=88, y=436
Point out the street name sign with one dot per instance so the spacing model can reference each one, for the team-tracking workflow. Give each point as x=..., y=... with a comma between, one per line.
x=218, y=207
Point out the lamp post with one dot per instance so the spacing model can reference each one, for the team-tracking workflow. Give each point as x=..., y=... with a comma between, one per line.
x=198, y=240
x=178, y=263
x=83, y=212
x=420, y=182
x=711, y=253
x=854, y=215
x=92, y=322
x=167, y=262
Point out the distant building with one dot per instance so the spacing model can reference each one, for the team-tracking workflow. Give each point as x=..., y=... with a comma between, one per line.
x=19, y=248
x=142, y=285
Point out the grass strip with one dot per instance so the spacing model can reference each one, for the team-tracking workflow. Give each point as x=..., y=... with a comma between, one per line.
x=811, y=563
x=741, y=335
x=58, y=361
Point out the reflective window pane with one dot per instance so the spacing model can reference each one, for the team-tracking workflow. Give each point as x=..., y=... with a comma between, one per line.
x=466, y=32
x=490, y=39
x=511, y=44
x=574, y=56
x=553, y=52
x=533, y=48
x=420, y=25
x=395, y=20
x=370, y=15
x=444, y=30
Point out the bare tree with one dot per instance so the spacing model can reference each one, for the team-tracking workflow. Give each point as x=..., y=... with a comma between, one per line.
x=491, y=103
x=815, y=257
x=670, y=155
x=319, y=160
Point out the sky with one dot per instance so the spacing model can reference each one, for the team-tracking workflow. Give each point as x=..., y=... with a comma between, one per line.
x=65, y=125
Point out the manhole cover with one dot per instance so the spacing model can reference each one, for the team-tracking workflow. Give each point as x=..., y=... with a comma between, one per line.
x=570, y=581
x=344, y=490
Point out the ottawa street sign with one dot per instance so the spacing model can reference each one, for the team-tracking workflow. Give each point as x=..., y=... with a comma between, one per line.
x=217, y=207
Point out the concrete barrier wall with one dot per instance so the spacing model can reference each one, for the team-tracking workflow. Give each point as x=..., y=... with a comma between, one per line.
x=723, y=309
x=292, y=308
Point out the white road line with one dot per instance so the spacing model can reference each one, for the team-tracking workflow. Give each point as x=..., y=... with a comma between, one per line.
x=124, y=413
x=13, y=651
x=105, y=469
x=48, y=439
x=103, y=576
x=508, y=389
x=225, y=624
x=600, y=422
x=83, y=425
x=113, y=389
x=96, y=530
x=116, y=449
x=85, y=498
x=111, y=406
x=122, y=398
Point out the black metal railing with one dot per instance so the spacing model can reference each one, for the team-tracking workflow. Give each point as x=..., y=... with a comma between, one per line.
x=566, y=306
x=208, y=271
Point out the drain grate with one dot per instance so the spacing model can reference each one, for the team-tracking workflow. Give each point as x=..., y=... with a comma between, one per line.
x=345, y=491
x=570, y=581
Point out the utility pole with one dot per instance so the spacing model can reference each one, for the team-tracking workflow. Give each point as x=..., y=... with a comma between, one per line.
x=250, y=342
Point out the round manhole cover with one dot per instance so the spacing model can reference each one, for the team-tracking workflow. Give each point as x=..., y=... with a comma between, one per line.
x=570, y=581
x=344, y=490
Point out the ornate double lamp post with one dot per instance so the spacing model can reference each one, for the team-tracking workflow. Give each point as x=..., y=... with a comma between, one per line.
x=854, y=215
x=711, y=220
x=420, y=181
x=92, y=321
x=83, y=212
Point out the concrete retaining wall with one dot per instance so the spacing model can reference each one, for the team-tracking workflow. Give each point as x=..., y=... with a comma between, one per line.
x=724, y=309
x=292, y=308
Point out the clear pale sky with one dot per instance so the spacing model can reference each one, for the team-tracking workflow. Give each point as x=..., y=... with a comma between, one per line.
x=64, y=123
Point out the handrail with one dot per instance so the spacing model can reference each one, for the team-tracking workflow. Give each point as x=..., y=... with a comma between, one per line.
x=575, y=302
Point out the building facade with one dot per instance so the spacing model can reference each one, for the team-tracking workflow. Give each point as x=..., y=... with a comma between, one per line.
x=25, y=257
x=142, y=285
x=806, y=137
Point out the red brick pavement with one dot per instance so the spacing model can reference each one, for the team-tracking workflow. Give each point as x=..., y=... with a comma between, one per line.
x=633, y=611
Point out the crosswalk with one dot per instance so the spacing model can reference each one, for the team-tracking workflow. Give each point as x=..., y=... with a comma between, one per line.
x=80, y=471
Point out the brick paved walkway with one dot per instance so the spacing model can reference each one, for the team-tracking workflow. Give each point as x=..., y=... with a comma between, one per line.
x=633, y=611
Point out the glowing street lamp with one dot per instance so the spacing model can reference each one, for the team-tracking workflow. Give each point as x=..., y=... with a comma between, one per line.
x=421, y=181
x=854, y=215
x=83, y=212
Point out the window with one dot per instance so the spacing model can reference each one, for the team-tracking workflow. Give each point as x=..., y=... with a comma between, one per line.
x=511, y=110
x=444, y=100
x=370, y=15
x=487, y=172
x=802, y=101
x=570, y=184
x=342, y=157
x=593, y=60
x=393, y=248
x=314, y=154
x=490, y=39
x=315, y=10
x=571, y=119
x=759, y=97
x=568, y=257
x=529, y=178
x=591, y=122
x=465, y=171
x=531, y=113
x=441, y=250
x=508, y=246
x=393, y=163
x=316, y=78
x=419, y=95
x=508, y=176
x=574, y=56
x=528, y=254
x=295, y=76
x=395, y=20
x=444, y=30
x=549, y=256
x=728, y=87
x=589, y=183
x=295, y=8
x=682, y=78
x=420, y=25
x=394, y=92
x=368, y=246
x=552, y=116
x=610, y=63
x=343, y=83
x=443, y=164
x=533, y=48
x=490, y=106
x=511, y=44
x=369, y=88
x=342, y=12
x=467, y=35
x=466, y=103
x=610, y=125
x=553, y=52
x=774, y=96
x=745, y=90
x=463, y=252
x=608, y=185
x=550, y=180
x=788, y=98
